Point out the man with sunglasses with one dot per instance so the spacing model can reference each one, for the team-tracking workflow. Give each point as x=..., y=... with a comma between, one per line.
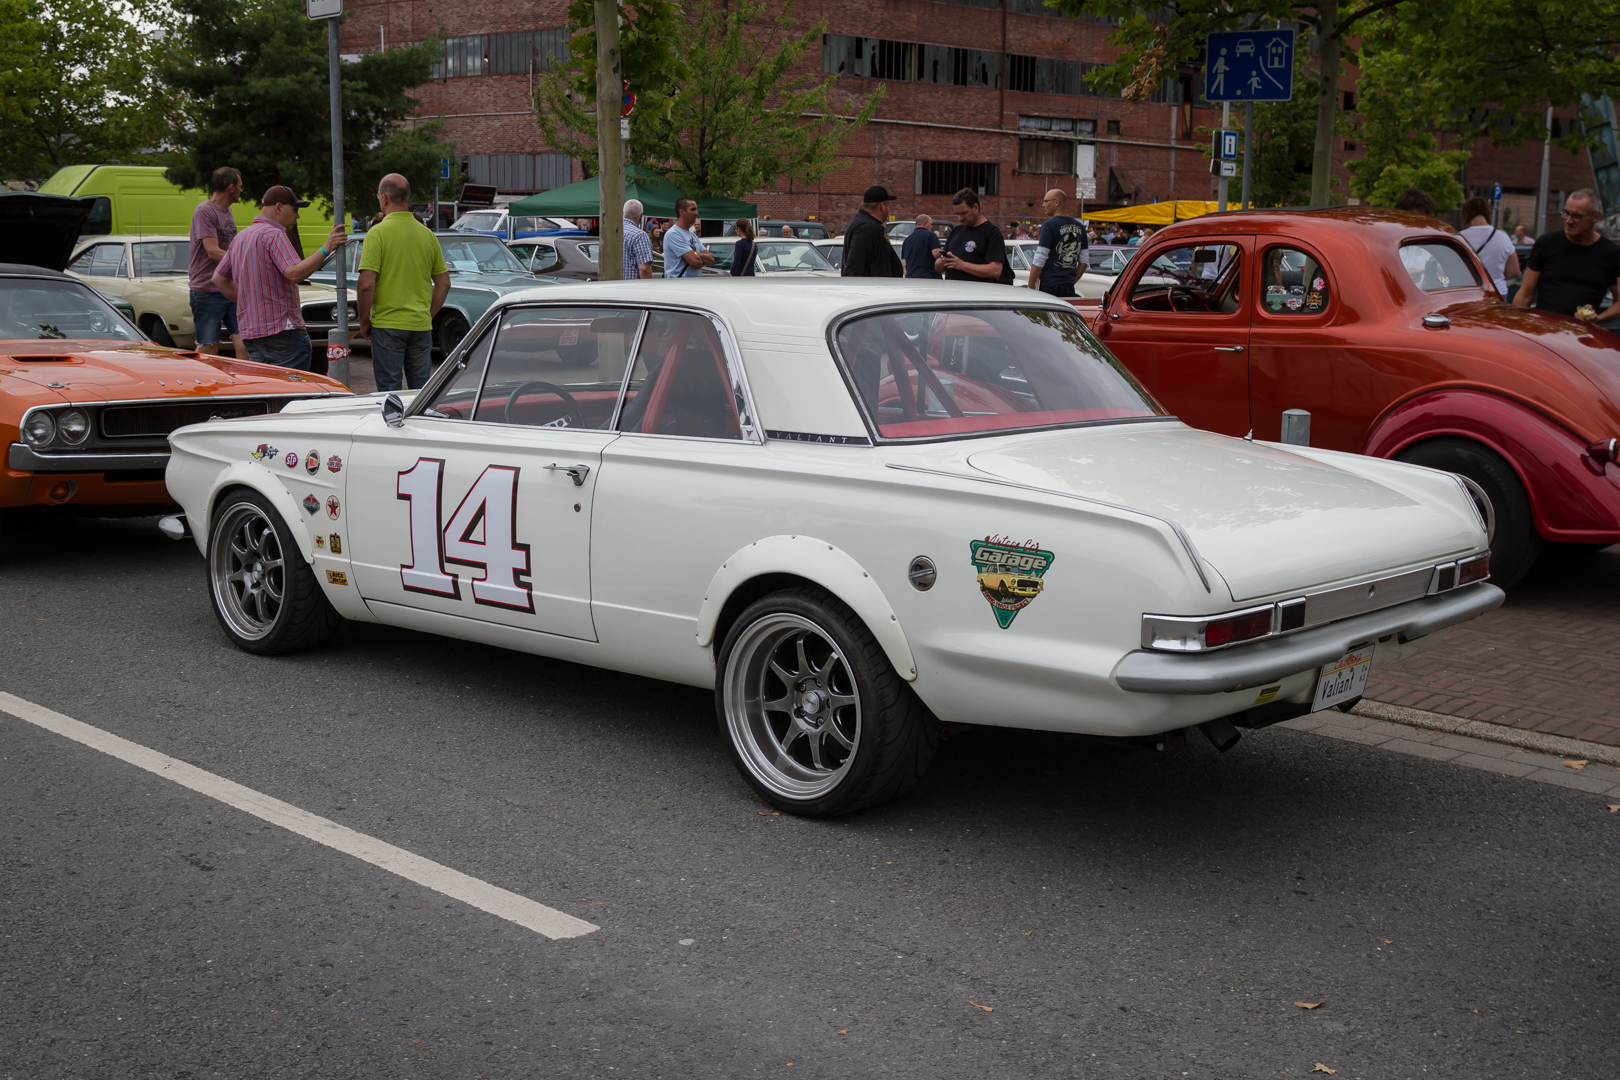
x=1569, y=271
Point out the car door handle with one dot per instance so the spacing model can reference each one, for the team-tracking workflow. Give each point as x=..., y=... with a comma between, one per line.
x=578, y=472
x=1228, y=348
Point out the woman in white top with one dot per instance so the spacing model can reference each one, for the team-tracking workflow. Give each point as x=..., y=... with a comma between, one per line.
x=1491, y=244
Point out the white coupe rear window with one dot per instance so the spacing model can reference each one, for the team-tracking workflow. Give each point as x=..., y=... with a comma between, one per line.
x=922, y=374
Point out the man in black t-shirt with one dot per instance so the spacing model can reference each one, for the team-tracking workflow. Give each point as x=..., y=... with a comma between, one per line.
x=976, y=250
x=1569, y=271
x=1060, y=253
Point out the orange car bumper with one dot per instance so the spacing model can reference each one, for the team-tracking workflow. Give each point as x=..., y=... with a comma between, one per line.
x=80, y=490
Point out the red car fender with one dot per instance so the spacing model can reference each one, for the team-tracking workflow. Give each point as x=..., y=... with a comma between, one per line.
x=1569, y=501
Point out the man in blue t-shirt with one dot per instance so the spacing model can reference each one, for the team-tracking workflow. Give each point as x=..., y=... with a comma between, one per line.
x=919, y=249
x=1060, y=252
x=684, y=253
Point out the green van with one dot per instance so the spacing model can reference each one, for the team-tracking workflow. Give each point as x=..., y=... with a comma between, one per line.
x=136, y=199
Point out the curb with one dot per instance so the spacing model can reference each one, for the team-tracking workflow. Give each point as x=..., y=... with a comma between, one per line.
x=1497, y=733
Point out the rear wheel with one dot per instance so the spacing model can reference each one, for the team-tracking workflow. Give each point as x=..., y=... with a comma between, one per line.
x=1516, y=544
x=448, y=331
x=814, y=715
x=264, y=594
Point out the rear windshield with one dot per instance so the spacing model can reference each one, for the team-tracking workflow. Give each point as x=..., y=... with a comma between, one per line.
x=927, y=374
x=1435, y=265
x=31, y=308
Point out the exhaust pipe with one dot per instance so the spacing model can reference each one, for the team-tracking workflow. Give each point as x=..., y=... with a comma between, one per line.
x=1221, y=733
x=174, y=526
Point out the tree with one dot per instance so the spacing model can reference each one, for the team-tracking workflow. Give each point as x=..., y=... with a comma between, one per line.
x=1401, y=148
x=1281, y=166
x=1157, y=41
x=737, y=122
x=255, y=76
x=649, y=33
x=76, y=84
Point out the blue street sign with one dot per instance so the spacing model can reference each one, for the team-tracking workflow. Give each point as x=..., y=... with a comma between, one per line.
x=1229, y=145
x=1249, y=65
x=444, y=168
x=1496, y=193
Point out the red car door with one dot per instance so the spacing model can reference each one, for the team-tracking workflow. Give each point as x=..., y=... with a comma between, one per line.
x=1179, y=319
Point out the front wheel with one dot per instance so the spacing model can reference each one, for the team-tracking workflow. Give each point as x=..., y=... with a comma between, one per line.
x=814, y=715
x=451, y=328
x=1516, y=544
x=264, y=594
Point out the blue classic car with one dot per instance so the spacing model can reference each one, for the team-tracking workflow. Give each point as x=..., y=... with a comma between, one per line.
x=482, y=270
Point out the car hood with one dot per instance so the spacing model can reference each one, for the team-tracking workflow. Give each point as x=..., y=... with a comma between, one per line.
x=40, y=230
x=501, y=282
x=113, y=371
x=1268, y=520
x=1557, y=364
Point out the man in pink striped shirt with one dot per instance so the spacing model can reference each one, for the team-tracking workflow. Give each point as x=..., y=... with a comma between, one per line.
x=261, y=272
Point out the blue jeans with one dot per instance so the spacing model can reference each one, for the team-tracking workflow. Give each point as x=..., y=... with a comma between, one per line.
x=211, y=313
x=288, y=349
x=401, y=356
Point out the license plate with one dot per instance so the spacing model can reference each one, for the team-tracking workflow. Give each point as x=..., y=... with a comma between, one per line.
x=1343, y=679
x=569, y=336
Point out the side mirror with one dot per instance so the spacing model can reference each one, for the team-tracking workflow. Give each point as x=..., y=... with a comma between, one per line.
x=393, y=411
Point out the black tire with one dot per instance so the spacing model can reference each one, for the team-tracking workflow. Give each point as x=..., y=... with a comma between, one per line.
x=265, y=595
x=448, y=331
x=867, y=737
x=1517, y=544
x=155, y=328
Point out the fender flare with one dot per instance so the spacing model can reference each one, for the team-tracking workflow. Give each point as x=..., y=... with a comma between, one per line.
x=825, y=564
x=254, y=476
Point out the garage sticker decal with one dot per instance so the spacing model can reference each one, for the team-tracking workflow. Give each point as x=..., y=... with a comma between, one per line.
x=1010, y=574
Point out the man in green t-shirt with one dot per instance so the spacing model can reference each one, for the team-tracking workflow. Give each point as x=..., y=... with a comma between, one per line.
x=403, y=283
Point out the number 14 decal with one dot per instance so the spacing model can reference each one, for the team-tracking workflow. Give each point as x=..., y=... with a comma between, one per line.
x=492, y=503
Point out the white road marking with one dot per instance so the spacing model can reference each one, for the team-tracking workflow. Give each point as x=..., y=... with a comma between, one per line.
x=425, y=872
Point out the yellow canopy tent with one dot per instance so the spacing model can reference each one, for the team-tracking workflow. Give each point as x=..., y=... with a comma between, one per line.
x=1159, y=213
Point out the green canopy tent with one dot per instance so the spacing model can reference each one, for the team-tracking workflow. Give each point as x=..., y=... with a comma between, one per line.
x=657, y=197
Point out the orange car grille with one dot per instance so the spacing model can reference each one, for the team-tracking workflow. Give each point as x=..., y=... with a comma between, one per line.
x=149, y=421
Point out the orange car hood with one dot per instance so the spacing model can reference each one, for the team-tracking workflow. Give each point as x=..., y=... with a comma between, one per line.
x=113, y=371
x=1552, y=362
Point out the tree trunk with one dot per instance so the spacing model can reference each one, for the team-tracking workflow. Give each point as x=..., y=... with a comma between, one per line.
x=609, y=151
x=1327, y=102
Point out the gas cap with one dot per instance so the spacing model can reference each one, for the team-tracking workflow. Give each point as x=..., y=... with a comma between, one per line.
x=1436, y=321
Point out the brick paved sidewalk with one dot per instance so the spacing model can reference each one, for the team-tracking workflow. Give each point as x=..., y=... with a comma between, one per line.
x=1548, y=660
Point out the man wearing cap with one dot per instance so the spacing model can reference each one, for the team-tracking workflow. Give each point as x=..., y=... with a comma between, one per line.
x=261, y=271
x=402, y=286
x=867, y=252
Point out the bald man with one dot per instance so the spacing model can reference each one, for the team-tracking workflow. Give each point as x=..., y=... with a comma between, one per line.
x=403, y=283
x=1060, y=252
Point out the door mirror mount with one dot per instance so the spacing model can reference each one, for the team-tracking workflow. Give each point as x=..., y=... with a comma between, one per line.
x=393, y=411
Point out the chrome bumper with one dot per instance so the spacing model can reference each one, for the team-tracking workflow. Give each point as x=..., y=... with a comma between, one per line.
x=24, y=458
x=1274, y=659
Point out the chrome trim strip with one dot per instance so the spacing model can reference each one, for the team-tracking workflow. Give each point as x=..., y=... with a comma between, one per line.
x=1175, y=526
x=25, y=458
x=1270, y=660
x=1364, y=596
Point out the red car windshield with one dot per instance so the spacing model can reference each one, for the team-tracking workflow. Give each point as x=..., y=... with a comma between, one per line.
x=928, y=374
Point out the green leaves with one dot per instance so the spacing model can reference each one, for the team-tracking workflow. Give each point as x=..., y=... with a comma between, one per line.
x=255, y=78
x=649, y=33
x=736, y=121
x=77, y=85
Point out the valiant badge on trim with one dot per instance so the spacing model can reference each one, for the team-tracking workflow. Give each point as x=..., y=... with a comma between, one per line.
x=1009, y=574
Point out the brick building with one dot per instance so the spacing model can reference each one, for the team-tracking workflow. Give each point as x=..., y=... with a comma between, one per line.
x=980, y=93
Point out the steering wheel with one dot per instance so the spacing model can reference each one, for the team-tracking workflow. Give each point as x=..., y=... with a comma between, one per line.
x=575, y=415
x=1193, y=299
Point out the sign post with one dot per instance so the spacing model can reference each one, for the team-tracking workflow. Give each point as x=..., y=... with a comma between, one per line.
x=337, y=339
x=1248, y=66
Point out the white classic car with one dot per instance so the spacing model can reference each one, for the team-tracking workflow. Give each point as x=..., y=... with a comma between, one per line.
x=855, y=510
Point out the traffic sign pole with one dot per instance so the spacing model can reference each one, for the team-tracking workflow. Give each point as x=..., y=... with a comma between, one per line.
x=1226, y=125
x=337, y=339
x=1248, y=141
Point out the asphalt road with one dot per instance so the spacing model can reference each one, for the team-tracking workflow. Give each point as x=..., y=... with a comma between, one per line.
x=1124, y=914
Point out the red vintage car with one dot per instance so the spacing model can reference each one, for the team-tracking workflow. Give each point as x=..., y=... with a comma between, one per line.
x=1386, y=329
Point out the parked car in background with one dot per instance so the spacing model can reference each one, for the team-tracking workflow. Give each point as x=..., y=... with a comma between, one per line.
x=1385, y=328
x=1087, y=286
x=832, y=249
x=802, y=230
x=87, y=402
x=482, y=269
x=852, y=512
x=568, y=257
x=496, y=221
x=1108, y=259
x=801, y=258
x=152, y=273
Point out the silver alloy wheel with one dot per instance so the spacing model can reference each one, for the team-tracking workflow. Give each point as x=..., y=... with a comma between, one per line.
x=247, y=571
x=792, y=707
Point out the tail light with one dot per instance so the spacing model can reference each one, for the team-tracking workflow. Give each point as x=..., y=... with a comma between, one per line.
x=1476, y=569
x=1235, y=628
x=1601, y=453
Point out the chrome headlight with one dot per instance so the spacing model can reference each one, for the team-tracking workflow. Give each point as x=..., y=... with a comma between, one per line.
x=73, y=426
x=38, y=430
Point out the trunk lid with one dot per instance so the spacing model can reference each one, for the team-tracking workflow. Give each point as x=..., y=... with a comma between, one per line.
x=1269, y=521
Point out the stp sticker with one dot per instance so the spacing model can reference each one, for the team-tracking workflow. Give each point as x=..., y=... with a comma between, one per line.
x=311, y=503
x=312, y=462
x=334, y=464
x=332, y=507
x=291, y=460
x=337, y=577
x=1009, y=574
x=337, y=544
